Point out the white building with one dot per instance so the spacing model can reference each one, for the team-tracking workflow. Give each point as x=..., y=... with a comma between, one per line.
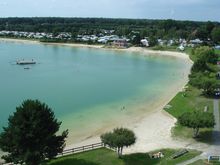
x=145, y=42
x=196, y=41
x=217, y=47
x=181, y=47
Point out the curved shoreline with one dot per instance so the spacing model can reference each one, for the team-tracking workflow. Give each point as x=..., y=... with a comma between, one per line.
x=131, y=49
x=153, y=130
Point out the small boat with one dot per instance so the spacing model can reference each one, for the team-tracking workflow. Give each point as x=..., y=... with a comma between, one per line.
x=27, y=68
x=25, y=62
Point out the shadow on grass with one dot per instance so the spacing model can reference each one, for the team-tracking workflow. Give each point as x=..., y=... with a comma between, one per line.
x=72, y=161
x=139, y=159
x=205, y=137
x=205, y=134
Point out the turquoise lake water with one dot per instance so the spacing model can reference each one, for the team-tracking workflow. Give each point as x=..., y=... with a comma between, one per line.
x=84, y=85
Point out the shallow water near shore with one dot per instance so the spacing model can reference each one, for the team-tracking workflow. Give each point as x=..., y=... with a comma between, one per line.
x=88, y=89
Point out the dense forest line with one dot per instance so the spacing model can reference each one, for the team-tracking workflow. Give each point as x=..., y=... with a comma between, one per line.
x=164, y=29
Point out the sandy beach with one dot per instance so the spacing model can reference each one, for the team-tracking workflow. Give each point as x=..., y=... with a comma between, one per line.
x=18, y=40
x=45, y=43
x=142, y=50
x=153, y=130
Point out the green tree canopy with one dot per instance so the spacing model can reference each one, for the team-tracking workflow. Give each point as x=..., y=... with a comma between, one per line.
x=119, y=138
x=201, y=33
x=199, y=66
x=209, y=27
x=203, y=71
x=216, y=34
x=197, y=120
x=208, y=85
x=30, y=136
x=205, y=81
x=152, y=41
x=195, y=79
x=136, y=39
x=207, y=54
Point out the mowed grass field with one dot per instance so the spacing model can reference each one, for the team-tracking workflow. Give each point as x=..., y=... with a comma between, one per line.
x=217, y=51
x=105, y=156
x=187, y=101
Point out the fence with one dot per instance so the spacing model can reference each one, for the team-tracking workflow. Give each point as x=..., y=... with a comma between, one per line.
x=82, y=149
x=78, y=150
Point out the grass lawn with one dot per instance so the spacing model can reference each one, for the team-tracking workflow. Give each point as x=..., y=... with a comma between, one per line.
x=95, y=157
x=188, y=101
x=217, y=51
x=105, y=156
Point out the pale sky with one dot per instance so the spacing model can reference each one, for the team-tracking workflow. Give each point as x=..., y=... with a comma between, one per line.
x=199, y=10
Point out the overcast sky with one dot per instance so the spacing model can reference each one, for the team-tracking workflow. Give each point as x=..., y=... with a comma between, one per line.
x=200, y=10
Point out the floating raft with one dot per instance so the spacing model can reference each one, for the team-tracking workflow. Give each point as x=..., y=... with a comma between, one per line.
x=24, y=62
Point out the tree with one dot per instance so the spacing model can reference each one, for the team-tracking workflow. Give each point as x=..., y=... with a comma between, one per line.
x=207, y=54
x=119, y=138
x=152, y=41
x=206, y=81
x=30, y=136
x=208, y=85
x=209, y=27
x=168, y=24
x=195, y=79
x=144, y=33
x=136, y=39
x=197, y=120
x=201, y=33
x=199, y=66
x=216, y=34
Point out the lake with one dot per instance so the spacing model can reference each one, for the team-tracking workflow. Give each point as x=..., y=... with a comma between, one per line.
x=88, y=89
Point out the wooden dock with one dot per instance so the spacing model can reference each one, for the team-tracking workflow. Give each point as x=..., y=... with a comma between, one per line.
x=25, y=62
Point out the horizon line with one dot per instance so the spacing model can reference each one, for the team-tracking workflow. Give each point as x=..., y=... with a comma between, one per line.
x=69, y=17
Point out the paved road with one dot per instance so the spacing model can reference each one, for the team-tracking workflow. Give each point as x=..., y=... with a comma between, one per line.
x=216, y=132
x=214, y=149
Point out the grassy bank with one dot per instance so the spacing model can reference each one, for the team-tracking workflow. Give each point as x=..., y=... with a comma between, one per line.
x=107, y=157
x=187, y=101
x=217, y=51
x=192, y=99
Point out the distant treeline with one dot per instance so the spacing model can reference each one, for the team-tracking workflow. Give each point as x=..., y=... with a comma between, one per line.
x=164, y=29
